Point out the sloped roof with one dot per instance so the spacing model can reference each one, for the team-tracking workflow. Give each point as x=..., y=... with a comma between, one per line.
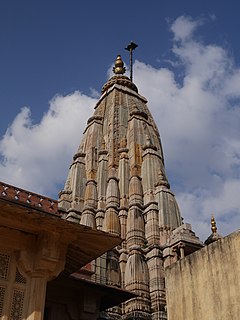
x=34, y=214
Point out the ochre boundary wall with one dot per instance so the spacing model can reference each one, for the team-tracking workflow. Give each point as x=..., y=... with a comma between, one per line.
x=206, y=284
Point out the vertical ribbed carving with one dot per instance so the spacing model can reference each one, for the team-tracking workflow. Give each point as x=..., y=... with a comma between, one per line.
x=101, y=186
x=111, y=224
x=135, y=227
x=169, y=214
x=123, y=171
x=152, y=232
x=93, y=140
x=152, y=161
x=136, y=272
x=90, y=205
x=78, y=181
x=156, y=282
x=123, y=174
x=135, y=221
x=65, y=196
x=72, y=197
x=122, y=264
x=137, y=280
x=111, y=221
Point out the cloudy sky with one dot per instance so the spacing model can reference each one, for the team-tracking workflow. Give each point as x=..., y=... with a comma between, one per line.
x=55, y=57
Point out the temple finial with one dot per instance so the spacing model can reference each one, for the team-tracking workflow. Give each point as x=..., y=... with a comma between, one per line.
x=119, y=66
x=214, y=236
x=214, y=226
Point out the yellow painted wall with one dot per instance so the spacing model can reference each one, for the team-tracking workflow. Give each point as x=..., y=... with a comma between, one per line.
x=206, y=284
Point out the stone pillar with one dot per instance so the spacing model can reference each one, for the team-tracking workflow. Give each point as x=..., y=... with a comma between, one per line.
x=41, y=262
x=156, y=282
x=37, y=295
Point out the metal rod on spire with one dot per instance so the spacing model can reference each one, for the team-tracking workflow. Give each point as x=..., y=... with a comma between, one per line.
x=132, y=46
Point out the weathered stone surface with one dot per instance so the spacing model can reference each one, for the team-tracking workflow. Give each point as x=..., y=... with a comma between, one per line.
x=205, y=285
x=123, y=155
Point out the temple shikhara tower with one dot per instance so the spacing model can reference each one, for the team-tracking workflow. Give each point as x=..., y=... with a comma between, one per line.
x=117, y=183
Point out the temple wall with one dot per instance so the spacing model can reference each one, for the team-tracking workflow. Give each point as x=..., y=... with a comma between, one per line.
x=205, y=285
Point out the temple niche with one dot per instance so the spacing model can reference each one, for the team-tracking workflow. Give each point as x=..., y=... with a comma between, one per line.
x=117, y=183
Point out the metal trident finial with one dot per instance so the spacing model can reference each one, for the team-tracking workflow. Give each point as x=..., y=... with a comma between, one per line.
x=132, y=46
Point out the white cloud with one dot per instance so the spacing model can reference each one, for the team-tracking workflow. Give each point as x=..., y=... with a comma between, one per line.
x=199, y=125
x=198, y=119
x=36, y=157
x=183, y=27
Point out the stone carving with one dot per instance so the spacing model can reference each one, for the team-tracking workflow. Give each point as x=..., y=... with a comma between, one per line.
x=128, y=194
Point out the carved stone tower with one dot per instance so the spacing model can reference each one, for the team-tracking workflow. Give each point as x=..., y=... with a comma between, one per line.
x=117, y=183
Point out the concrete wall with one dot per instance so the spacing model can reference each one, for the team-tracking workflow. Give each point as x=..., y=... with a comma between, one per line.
x=206, y=284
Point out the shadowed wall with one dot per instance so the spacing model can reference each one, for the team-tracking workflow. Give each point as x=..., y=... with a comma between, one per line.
x=205, y=285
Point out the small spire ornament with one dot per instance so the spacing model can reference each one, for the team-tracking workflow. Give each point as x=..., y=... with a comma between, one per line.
x=119, y=66
x=214, y=236
x=214, y=225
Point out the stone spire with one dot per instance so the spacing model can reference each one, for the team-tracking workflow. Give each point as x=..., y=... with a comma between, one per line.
x=117, y=183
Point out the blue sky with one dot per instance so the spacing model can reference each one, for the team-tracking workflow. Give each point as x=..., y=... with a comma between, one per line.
x=56, y=55
x=50, y=47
